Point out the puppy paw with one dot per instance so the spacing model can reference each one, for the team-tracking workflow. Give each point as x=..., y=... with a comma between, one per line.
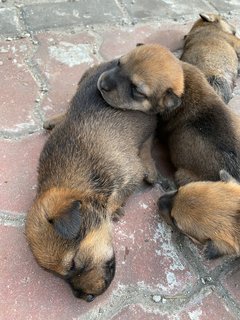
x=48, y=124
x=151, y=176
x=166, y=184
x=118, y=214
x=211, y=252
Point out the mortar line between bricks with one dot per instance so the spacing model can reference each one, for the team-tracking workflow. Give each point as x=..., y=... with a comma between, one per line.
x=123, y=9
x=12, y=219
x=228, y=300
x=144, y=298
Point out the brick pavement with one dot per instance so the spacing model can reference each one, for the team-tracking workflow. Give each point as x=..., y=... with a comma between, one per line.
x=44, y=49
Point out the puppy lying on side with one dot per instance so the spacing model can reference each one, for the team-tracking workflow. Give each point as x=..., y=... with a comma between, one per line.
x=88, y=167
x=203, y=135
x=208, y=213
x=212, y=46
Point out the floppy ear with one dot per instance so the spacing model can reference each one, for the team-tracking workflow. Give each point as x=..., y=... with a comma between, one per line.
x=207, y=17
x=171, y=100
x=226, y=177
x=165, y=203
x=67, y=224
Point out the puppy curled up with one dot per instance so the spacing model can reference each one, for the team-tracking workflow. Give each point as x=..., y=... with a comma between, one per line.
x=208, y=213
x=202, y=133
x=95, y=157
x=212, y=46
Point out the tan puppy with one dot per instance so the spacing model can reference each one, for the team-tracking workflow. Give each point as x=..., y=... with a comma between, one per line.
x=208, y=213
x=201, y=131
x=93, y=160
x=212, y=46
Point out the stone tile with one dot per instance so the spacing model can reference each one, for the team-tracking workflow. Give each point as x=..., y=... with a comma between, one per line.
x=210, y=306
x=18, y=172
x=232, y=284
x=27, y=291
x=64, y=14
x=9, y=23
x=225, y=6
x=137, y=312
x=146, y=254
x=18, y=88
x=160, y=9
x=117, y=42
x=63, y=58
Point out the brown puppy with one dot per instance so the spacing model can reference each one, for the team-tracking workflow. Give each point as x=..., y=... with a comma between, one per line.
x=208, y=213
x=88, y=167
x=201, y=131
x=212, y=46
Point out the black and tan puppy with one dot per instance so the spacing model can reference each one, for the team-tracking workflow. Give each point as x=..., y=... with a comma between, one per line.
x=203, y=135
x=212, y=46
x=208, y=213
x=88, y=167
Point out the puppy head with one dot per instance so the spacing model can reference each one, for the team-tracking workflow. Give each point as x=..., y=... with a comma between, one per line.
x=214, y=20
x=70, y=238
x=149, y=79
x=207, y=212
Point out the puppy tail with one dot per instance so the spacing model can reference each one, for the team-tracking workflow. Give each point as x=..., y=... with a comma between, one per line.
x=222, y=87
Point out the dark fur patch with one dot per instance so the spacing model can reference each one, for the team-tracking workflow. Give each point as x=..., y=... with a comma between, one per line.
x=211, y=252
x=214, y=125
x=221, y=86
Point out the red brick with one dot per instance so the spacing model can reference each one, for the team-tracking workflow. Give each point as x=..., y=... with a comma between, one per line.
x=145, y=251
x=27, y=291
x=18, y=88
x=137, y=312
x=18, y=174
x=204, y=308
x=119, y=41
x=63, y=58
x=232, y=283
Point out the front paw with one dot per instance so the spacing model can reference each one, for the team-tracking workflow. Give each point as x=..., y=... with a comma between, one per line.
x=151, y=176
x=118, y=214
x=48, y=124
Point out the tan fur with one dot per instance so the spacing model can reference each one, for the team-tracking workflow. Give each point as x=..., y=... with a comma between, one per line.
x=202, y=133
x=207, y=211
x=212, y=46
x=88, y=167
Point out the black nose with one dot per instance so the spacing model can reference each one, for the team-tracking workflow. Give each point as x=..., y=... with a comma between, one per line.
x=90, y=297
x=104, y=85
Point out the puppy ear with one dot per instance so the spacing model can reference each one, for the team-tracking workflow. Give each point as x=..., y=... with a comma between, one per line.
x=226, y=177
x=207, y=17
x=165, y=202
x=139, y=44
x=67, y=224
x=171, y=100
x=218, y=248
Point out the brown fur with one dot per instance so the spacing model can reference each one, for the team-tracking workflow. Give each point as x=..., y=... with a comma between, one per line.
x=203, y=135
x=212, y=46
x=88, y=167
x=207, y=212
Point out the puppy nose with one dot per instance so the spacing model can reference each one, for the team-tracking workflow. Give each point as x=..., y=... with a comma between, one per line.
x=104, y=85
x=90, y=297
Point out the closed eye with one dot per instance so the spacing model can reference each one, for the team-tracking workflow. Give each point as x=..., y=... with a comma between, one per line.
x=137, y=93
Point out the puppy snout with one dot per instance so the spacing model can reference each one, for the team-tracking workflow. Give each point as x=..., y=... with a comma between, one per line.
x=106, y=82
x=110, y=271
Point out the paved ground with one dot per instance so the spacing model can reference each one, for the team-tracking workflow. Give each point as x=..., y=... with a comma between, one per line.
x=44, y=49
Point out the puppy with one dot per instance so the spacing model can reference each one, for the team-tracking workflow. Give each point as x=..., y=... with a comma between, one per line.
x=88, y=167
x=208, y=213
x=202, y=134
x=212, y=46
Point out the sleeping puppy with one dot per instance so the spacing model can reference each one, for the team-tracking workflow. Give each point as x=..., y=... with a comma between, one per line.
x=212, y=46
x=95, y=157
x=208, y=213
x=202, y=134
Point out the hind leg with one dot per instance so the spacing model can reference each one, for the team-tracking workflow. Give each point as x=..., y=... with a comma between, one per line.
x=145, y=154
x=50, y=123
